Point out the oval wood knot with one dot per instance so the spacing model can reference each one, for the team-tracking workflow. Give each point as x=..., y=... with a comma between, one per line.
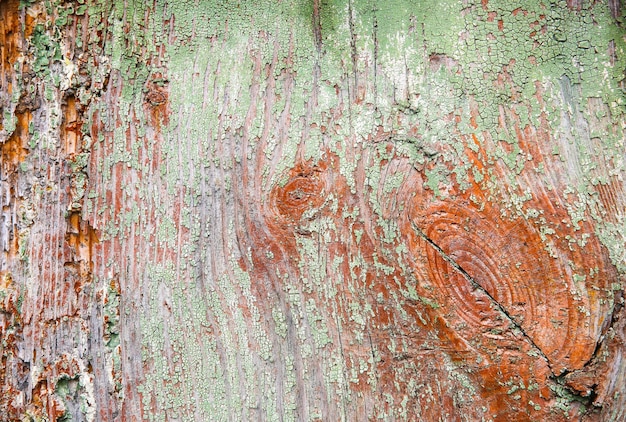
x=482, y=266
x=300, y=197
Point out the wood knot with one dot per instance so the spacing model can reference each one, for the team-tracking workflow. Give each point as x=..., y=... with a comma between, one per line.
x=301, y=196
x=486, y=268
x=156, y=97
x=156, y=100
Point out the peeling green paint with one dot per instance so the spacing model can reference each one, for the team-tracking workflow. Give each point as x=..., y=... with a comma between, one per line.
x=423, y=84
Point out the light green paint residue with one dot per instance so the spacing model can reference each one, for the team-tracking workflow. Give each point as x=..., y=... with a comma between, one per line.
x=434, y=178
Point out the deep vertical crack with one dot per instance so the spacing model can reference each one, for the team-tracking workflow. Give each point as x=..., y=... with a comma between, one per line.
x=317, y=26
x=477, y=286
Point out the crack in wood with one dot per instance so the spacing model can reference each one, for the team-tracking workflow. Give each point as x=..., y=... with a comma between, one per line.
x=477, y=286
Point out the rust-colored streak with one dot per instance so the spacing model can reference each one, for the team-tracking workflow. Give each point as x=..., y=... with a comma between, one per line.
x=80, y=238
x=71, y=128
x=14, y=150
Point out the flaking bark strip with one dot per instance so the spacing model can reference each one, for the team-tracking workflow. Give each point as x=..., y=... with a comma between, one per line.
x=477, y=286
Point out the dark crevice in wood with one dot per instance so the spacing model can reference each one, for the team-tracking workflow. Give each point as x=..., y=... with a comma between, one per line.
x=353, y=50
x=477, y=286
x=317, y=26
x=376, y=53
x=570, y=379
x=562, y=390
x=615, y=6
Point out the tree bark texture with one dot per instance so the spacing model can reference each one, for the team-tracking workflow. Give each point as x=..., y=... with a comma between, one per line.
x=312, y=210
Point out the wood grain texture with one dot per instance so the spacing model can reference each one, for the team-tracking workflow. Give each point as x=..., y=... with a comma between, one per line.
x=312, y=210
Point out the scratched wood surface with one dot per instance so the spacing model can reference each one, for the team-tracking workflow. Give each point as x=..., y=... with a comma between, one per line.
x=312, y=210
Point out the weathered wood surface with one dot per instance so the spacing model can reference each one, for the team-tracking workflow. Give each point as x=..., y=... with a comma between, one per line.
x=312, y=210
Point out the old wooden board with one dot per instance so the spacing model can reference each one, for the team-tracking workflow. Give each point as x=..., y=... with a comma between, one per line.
x=312, y=210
